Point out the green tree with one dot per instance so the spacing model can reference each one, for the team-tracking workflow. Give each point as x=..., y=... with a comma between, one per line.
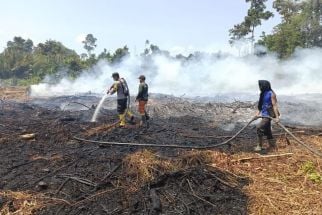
x=300, y=27
x=285, y=39
x=119, y=54
x=89, y=43
x=287, y=8
x=255, y=14
x=24, y=63
x=20, y=44
x=105, y=55
x=311, y=26
x=52, y=56
x=16, y=58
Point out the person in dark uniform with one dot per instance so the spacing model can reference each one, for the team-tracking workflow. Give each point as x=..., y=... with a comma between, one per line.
x=142, y=99
x=267, y=107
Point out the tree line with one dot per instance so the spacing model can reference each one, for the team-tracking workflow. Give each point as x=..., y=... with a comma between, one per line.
x=23, y=63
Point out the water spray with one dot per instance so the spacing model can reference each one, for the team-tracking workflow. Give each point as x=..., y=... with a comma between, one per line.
x=98, y=108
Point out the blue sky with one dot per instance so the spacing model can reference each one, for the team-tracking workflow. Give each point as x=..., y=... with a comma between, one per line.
x=175, y=25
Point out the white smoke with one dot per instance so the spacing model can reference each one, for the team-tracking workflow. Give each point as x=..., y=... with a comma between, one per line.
x=205, y=75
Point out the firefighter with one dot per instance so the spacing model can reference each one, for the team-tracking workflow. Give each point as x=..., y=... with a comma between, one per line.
x=267, y=107
x=120, y=87
x=142, y=99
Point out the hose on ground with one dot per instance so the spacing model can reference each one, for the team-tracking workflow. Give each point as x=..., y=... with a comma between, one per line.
x=309, y=148
x=167, y=145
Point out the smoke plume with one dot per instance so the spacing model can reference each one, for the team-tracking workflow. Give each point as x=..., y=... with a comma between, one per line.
x=201, y=75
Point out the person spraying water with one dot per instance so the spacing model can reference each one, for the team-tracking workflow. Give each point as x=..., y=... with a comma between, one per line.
x=123, y=98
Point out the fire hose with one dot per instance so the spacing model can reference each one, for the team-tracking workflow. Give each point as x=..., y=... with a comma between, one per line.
x=309, y=148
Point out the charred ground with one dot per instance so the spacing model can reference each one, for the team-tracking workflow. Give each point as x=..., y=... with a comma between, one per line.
x=52, y=173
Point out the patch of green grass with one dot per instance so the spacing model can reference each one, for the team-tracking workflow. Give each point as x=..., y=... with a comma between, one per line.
x=309, y=168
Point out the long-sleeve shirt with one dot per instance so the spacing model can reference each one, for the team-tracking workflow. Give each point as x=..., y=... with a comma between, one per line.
x=143, y=92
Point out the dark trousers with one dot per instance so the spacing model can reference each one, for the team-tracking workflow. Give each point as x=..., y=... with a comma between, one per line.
x=264, y=128
x=121, y=105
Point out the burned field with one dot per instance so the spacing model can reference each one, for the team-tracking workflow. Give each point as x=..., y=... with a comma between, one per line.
x=46, y=169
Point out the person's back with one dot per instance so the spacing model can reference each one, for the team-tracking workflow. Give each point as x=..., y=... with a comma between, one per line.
x=267, y=103
x=121, y=89
x=143, y=92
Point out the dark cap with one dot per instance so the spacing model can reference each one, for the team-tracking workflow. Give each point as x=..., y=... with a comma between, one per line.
x=115, y=74
x=142, y=77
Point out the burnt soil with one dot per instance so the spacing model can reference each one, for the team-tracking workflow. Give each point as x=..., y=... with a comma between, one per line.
x=56, y=174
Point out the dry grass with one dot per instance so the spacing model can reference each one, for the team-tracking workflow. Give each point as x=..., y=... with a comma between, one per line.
x=143, y=166
x=100, y=129
x=26, y=203
x=18, y=93
x=20, y=203
x=279, y=185
x=4, y=139
x=198, y=158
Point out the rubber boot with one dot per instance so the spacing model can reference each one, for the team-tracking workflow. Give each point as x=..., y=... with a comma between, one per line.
x=143, y=120
x=146, y=115
x=131, y=117
x=272, y=145
x=132, y=120
x=122, y=120
x=259, y=146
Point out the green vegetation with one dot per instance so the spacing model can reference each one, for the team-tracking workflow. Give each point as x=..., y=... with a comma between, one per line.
x=255, y=14
x=301, y=25
x=309, y=169
x=22, y=63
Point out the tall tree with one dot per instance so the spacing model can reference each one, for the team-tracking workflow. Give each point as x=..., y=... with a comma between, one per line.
x=16, y=58
x=255, y=14
x=89, y=43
